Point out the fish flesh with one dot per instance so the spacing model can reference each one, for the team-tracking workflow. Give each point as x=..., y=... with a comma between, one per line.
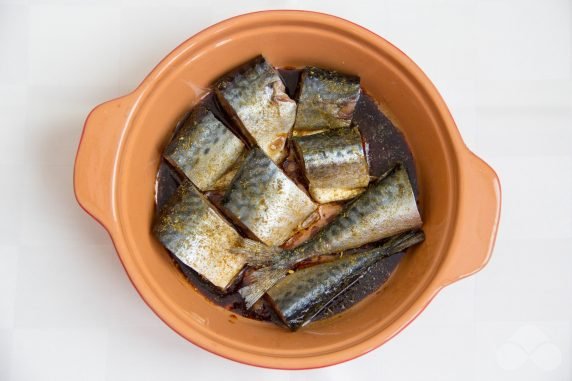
x=194, y=231
x=204, y=149
x=386, y=208
x=255, y=98
x=324, y=195
x=266, y=201
x=320, y=218
x=300, y=296
x=334, y=164
x=327, y=99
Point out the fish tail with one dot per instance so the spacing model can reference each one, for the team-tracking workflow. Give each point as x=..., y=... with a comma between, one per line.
x=257, y=254
x=403, y=241
x=263, y=280
x=276, y=267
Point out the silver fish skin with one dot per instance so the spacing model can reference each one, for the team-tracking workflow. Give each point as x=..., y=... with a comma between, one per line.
x=204, y=149
x=254, y=95
x=191, y=228
x=386, y=208
x=266, y=201
x=334, y=164
x=300, y=296
x=327, y=99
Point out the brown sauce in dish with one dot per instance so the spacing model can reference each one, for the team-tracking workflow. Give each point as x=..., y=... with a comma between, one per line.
x=384, y=145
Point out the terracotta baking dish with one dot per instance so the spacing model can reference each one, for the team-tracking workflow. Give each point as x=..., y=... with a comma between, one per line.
x=121, y=146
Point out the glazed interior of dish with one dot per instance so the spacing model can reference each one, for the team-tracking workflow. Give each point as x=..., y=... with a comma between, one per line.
x=179, y=85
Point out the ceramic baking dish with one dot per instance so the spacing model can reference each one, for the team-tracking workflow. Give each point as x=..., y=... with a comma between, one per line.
x=120, y=151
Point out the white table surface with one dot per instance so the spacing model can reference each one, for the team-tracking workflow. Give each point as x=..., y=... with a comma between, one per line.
x=67, y=309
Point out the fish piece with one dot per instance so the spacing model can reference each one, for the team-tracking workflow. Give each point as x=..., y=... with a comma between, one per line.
x=266, y=201
x=386, y=208
x=190, y=228
x=300, y=296
x=254, y=95
x=204, y=149
x=327, y=99
x=334, y=164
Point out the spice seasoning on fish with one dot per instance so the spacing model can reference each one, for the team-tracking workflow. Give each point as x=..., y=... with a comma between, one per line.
x=334, y=164
x=254, y=95
x=204, y=149
x=327, y=99
x=190, y=228
x=266, y=201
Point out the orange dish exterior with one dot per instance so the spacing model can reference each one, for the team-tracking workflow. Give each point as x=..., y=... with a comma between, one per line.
x=121, y=147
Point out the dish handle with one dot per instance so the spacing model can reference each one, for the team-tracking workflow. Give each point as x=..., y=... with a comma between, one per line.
x=94, y=171
x=478, y=216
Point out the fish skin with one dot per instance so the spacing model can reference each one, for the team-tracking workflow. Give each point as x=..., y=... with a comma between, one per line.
x=334, y=164
x=386, y=208
x=204, y=149
x=327, y=100
x=190, y=228
x=301, y=295
x=265, y=200
x=254, y=95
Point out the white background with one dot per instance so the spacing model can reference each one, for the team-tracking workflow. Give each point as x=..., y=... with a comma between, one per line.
x=67, y=309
